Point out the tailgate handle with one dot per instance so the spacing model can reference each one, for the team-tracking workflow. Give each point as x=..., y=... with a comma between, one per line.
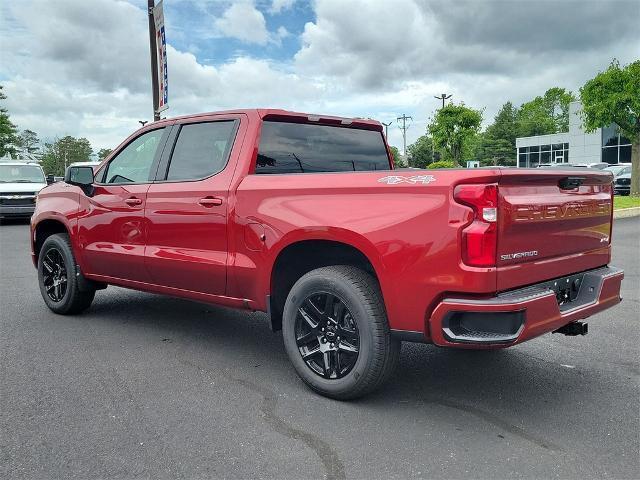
x=570, y=183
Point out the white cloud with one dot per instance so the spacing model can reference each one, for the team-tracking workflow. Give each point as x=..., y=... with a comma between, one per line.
x=244, y=22
x=81, y=68
x=278, y=5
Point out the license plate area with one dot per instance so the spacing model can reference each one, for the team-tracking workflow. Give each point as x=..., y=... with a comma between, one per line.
x=567, y=289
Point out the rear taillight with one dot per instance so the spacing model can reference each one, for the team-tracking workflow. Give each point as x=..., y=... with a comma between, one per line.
x=480, y=238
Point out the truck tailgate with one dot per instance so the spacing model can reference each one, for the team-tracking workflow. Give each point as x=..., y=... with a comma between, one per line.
x=552, y=223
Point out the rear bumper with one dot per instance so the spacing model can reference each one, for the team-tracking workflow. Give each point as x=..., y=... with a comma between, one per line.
x=519, y=315
x=16, y=211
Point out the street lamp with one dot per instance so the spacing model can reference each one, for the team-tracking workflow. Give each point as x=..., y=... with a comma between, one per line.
x=443, y=97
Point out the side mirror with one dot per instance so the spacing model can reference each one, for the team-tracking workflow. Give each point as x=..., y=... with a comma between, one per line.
x=81, y=176
x=50, y=179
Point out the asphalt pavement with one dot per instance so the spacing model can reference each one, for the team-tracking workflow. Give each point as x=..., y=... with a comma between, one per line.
x=144, y=386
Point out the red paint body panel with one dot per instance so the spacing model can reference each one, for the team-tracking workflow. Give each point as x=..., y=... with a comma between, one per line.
x=410, y=232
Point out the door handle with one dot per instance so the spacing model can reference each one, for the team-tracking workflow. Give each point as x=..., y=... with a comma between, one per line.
x=210, y=201
x=133, y=201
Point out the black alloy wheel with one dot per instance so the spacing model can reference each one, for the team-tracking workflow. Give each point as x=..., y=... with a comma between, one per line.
x=54, y=275
x=63, y=288
x=327, y=335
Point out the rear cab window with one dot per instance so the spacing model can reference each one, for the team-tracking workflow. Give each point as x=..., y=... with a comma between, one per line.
x=201, y=150
x=310, y=148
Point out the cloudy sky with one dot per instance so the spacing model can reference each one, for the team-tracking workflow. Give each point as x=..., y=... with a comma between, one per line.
x=81, y=67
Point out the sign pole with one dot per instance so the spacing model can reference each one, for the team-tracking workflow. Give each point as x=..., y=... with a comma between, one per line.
x=155, y=89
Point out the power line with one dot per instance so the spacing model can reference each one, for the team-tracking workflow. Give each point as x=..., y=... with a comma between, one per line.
x=404, y=128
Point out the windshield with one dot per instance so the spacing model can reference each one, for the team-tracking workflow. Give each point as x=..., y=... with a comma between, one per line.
x=21, y=174
x=615, y=170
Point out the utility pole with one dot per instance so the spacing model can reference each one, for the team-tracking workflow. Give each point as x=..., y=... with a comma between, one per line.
x=386, y=129
x=143, y=122
x=404, y=128
x=155, y=88
x=443, y=97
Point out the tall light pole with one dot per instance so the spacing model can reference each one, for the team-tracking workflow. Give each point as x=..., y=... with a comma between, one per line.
x=404, y=128
x=155, y=88
x=443, y=97
x=143, y=122
x=386, y=129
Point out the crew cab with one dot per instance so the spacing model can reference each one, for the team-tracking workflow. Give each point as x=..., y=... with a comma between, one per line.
x=303, y=217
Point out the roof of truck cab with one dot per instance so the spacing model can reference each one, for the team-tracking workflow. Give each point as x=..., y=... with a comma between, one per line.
x=287, y=115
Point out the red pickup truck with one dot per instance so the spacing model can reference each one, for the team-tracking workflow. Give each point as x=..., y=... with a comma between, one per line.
x=305, y=218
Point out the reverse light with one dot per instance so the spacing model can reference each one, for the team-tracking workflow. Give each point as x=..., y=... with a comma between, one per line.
x=480, y=238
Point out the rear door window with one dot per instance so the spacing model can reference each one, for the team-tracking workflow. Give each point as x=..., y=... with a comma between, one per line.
x=202, y=150
x=304, y=148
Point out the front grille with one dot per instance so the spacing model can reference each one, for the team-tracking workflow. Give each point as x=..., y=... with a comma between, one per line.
x=17, y=198
x=623, y=181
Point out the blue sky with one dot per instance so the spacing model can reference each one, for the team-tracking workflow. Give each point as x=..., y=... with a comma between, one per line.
x=81, y=68
x=190, y=27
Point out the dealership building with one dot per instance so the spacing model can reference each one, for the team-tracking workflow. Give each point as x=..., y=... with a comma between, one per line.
x=574, y=146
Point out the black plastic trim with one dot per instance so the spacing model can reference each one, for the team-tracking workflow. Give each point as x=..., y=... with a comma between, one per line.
x=409, y=336
x=455, y=330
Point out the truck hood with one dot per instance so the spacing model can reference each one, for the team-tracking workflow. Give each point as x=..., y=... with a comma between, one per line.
x=21, y=187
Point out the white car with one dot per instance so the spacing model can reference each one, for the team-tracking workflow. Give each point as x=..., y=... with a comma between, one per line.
x=19, y=186
x=619, y=169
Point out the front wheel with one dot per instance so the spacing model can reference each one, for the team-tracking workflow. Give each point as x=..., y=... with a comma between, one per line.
x=59, y=284
x=336, y=332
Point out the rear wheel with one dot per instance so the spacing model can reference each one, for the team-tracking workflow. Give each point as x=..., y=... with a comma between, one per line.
x=336, y=332
x=57, y=278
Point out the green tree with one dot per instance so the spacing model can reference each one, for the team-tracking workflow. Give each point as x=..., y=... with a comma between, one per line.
x=454, y=128
x=505, y=124
x=104, y=153
x=8, y=131
x=613, y=96
x=545, y=114
x=63, y=152
x=420, y=153
x=398, y=160
x=29, y=141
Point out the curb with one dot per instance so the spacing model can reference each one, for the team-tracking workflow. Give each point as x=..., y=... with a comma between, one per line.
x=626, y=212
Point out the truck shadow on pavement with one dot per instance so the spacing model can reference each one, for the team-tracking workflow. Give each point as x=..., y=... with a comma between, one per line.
x=511, y=390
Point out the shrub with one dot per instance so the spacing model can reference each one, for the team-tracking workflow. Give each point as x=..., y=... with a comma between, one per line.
x=442, y=164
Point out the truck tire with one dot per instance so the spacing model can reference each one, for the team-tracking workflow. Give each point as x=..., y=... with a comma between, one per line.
x=336, y=332
x=59, y=284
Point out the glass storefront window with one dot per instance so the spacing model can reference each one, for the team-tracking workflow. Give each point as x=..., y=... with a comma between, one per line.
x=545, y=157
x=610, y=136
x=534, y=159
x=625, y=154
x=545, y=148
x=522, y=160
x=535, y=148
x=610, y=155
x=624, y=141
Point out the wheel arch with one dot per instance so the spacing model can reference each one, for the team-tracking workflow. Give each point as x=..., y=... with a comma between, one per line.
x=301, y=254
x=43, y=230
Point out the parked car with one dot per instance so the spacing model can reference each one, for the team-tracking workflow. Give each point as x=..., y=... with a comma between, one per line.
x=569, y=166
x=303, y=216
x=597, y=166
x=619, y=169
x=20, y=183
x=622, y=184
